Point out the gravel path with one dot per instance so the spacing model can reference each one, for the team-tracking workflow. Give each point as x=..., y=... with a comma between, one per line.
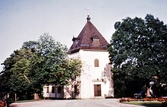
x=74, y=103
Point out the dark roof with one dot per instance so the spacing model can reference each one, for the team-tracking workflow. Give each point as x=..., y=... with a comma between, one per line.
x=86, y=37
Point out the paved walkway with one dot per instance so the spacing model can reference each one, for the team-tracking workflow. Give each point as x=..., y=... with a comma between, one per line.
x=74, y=103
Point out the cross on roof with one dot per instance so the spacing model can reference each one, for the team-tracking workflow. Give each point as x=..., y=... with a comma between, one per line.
x=88, y=10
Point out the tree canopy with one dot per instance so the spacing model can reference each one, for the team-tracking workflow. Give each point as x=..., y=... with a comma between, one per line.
x=38, y=63
x=138, y=53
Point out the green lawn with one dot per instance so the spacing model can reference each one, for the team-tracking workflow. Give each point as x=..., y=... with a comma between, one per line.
x=147, y=104
x=23, y=101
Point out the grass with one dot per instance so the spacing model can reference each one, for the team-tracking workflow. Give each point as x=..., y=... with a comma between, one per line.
x=23, y=101
x=146, y=104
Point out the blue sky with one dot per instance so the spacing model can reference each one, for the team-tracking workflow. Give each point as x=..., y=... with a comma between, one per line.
x=25, y=20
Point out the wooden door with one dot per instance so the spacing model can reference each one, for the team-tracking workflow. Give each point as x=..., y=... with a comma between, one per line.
x=97, y=90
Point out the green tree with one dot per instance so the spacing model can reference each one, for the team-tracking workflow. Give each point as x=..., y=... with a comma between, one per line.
x=51, y=64
x=46, y=63
x=38, y=63
x=16, y=69
x=138, y=52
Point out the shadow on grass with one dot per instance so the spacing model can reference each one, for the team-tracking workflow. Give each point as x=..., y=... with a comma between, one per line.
x=146, y=104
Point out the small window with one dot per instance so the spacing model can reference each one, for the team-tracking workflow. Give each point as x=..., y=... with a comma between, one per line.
x=59, y=89
x=53, y=89
x=47, y=89
x=75, y=89
x=96, y=63
x=96, y=42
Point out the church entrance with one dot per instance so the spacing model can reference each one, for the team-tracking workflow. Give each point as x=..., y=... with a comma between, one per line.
x=97, y=90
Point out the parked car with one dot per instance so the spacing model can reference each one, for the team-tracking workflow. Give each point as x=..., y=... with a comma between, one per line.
x=139, y=95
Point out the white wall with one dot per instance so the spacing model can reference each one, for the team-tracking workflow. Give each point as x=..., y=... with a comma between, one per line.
x=89, y=73
x=90, y=76
x=48, y=94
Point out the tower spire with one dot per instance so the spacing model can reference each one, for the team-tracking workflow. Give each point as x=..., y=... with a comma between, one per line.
x=88, y=18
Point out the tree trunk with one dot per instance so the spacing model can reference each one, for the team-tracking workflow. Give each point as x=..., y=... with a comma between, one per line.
x=36, y=96
x=148, y=92
x=15, y=97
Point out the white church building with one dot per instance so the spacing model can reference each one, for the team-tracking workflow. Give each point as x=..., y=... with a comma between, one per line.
x=95, y=80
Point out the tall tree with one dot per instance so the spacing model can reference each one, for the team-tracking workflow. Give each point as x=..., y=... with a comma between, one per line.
x=47, y=61
x=38, y=63
x=16, y=69
x=138, y=52
x=51, y=64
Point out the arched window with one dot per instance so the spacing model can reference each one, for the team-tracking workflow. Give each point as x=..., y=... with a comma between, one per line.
x=96, y=63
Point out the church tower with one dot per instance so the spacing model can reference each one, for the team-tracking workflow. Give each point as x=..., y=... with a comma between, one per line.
x=91, y=47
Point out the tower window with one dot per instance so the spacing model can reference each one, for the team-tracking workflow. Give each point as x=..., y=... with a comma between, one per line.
x=95, y=41
x=96, y=63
